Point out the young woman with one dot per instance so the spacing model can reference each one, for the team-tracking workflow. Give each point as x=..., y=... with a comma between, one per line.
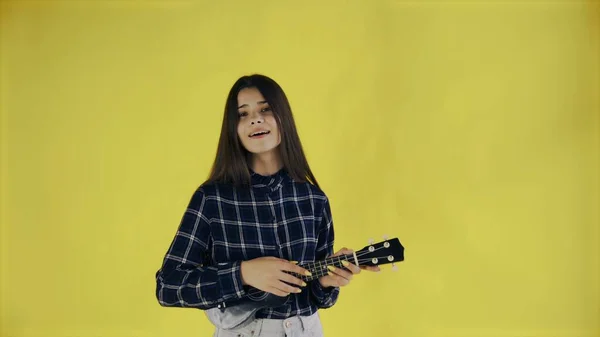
x=260, y=212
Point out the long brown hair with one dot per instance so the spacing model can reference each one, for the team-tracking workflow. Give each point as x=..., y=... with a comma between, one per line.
x=232, y=161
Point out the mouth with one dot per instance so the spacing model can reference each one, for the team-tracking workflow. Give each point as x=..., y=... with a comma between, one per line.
x=259, y=134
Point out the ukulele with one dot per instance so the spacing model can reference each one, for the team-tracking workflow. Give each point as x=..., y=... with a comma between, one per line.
x=240, y=312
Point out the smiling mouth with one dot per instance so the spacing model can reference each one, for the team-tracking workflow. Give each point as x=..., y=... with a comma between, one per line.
x=260, y=133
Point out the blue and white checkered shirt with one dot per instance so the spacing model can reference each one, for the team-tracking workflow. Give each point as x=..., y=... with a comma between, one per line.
x=223, y=226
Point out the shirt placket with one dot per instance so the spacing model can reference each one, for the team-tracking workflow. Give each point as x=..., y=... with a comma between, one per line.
x=275, y=219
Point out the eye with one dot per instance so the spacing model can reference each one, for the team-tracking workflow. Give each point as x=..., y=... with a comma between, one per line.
x=266, y=109
x=242, y=114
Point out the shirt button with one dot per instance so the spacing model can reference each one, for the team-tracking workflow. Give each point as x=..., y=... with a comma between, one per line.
x=288, y=324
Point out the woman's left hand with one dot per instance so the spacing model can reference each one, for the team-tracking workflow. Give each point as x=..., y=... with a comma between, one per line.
x=339, y=277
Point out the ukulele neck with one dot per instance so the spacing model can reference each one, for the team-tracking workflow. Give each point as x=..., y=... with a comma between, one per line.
x=320, y=268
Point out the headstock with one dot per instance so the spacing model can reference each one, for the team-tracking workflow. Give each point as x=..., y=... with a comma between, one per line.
x=380, y=253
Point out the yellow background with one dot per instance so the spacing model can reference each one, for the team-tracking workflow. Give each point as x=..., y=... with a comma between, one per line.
x=470, y=130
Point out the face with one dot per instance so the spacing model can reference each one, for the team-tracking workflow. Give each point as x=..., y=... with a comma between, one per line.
x=257, y=127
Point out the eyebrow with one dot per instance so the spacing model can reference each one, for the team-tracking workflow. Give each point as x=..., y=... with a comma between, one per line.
x=259, y=102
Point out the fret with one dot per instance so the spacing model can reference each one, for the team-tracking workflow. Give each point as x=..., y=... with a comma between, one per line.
x=319, y=269
x=322, y=269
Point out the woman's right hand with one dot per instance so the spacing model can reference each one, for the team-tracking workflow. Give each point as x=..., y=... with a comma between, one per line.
x=269, y=274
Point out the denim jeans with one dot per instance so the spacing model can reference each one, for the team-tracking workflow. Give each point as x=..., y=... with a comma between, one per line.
x=297, y=326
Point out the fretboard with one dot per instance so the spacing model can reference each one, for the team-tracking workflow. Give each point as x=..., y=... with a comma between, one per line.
x=319, y=268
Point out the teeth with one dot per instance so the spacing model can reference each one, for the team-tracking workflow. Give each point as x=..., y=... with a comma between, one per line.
x=259, y=133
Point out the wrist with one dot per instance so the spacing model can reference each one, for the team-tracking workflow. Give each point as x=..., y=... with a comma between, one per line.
x=323, y=285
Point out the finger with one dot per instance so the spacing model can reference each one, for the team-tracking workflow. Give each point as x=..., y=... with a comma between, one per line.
x=339, y=280
x=288, y=289
x=340, y=272
x=291, y=279
x=347, y=253
x=343, y=251
x=278, y=292
x=286, y=265
x=371, y=268
x=352, y=267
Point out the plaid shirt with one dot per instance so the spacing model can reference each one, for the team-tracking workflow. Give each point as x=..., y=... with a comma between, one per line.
x=223, y=226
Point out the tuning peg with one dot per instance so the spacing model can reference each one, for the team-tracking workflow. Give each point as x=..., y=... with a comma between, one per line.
x=371, y=241
x=394, y=267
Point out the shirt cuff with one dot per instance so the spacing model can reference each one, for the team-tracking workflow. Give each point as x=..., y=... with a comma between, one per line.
x=324, y=296
x=230, y=280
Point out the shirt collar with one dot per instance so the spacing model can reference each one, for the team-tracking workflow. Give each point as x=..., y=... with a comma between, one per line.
x=272, y=181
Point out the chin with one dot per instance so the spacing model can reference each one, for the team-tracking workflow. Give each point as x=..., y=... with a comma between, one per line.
x=263, y=150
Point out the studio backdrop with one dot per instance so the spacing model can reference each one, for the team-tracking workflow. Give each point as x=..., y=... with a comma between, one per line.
x=467, y=129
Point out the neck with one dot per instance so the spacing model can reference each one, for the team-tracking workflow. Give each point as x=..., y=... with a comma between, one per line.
x=267, y=163
x=319, y=268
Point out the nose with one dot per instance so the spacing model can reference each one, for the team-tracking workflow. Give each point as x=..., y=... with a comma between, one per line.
x=256, y=119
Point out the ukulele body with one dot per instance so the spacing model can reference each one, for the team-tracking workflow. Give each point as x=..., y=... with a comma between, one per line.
x=238, y=313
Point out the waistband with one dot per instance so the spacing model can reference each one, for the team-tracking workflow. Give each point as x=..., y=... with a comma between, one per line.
x=288, y=326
